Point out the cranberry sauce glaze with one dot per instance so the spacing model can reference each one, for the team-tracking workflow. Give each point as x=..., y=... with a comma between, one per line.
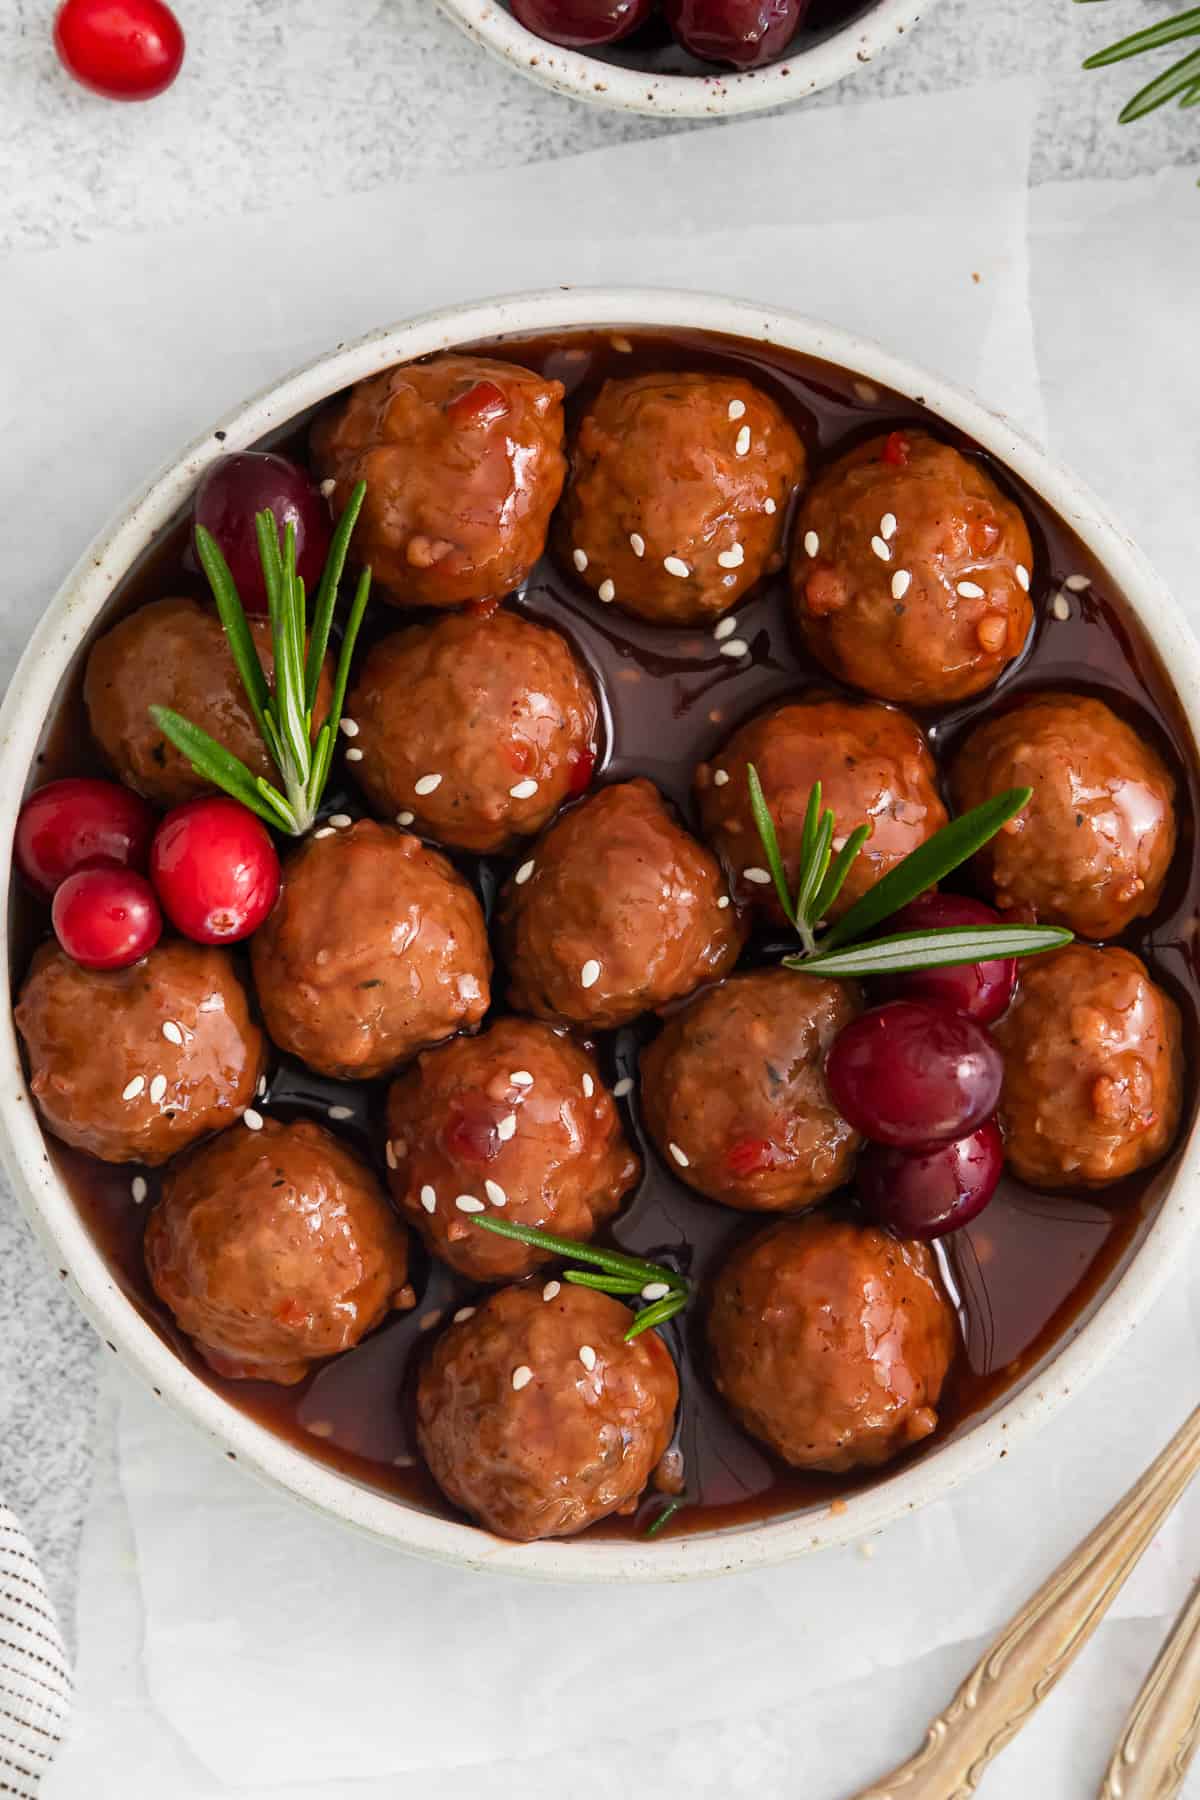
x=1025, y=1275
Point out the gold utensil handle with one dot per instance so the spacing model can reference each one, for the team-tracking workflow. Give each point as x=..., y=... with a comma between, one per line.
x=1041, y=1642
x=1162, y=1732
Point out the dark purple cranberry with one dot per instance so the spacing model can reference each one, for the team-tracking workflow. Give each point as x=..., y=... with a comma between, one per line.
x=914, y=1075
x=925, y=1193
x=981, y=990
x=582, y=24
x=238, y=487
x=746, y=33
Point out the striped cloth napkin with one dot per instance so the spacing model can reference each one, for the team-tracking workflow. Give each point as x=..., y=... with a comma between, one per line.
x=35, y=1677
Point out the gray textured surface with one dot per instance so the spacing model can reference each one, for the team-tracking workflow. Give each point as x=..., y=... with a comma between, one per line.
x=286, y=98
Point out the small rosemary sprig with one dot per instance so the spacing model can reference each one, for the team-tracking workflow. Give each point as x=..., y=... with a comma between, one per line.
x=822, y=877
x=1181, y=81
x=284, y=716
x=620, y=1275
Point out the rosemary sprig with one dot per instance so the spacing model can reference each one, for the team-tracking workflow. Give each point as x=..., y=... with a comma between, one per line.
x=663, y=1519
x=1181, y=80
x=621, y=1275
x=284, y=717
x=822, y=877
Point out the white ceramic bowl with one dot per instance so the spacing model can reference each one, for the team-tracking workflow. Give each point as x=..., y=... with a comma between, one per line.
x=723, y=94
x=56, y=648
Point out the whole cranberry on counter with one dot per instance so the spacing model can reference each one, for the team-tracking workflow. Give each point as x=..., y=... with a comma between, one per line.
x=77, y=823
x=926, y=1193
x=912, y=1075
x=106, y=918
x=215, y=870
x=980, y=990
x=746, y=33
x=238, y=487
x=122, y=49
x=582, y=24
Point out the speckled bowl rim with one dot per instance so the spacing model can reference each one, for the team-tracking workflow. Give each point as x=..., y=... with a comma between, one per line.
x=64, y=627
x=719, y=95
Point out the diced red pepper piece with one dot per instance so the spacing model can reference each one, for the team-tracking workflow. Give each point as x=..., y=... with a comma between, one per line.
x=896, y=450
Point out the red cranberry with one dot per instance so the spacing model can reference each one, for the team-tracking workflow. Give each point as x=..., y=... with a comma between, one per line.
x=74, y=824
x=582, y=24
x=215, y=869
x=582, y=764
x=472, y=1134
x=981, y=990
x=914, y=1075
x=123, y=49
x=925, y=1193
x=106, y=918
x=483, y=404
x=238, y=487
x=745, y=33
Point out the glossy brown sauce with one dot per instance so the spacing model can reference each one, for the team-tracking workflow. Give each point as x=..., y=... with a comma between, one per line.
x=1026, y=1274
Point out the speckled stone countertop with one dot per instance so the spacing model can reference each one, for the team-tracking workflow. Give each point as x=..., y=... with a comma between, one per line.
x=283, y=99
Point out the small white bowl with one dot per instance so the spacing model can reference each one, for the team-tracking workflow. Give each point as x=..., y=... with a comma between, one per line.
x=58, y=646
x=721, y=94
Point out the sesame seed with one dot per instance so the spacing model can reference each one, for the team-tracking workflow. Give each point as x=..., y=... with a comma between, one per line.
x=428, y=784
x=723, y=902
x=622, y=344
x=348, y=727
x=428, y=1199
x=354, y=756
x=589, y=975
x=171, y=1032
x=521, y=1377
x=404, y=818
x=158, y=1088
x=679, y=1155
x=675, y=565
x=521, y=1078
x=1077, y=583
x=637, y=543
x=580, y=559
x=742, y=446
x=866, y=1551
x=133, y=1088
x=261, y=1089
x=523, y=873
x=759, y=876
x=322, y=1428
x=735, y=647
x=901, y=582
x=607, y=592
x=623, y=1087
x=881, y=549
x=969, y=590
x=720, y=777
x=341, y=1112
x=552, y=1290
x=588, y=1086
x=138, y=1189
x=507, y=1127
x=463, y=1314
x=587, y=1357
x=325, y=831
x=468, y=1203
x=1060, y=606
x=866, y=391
x=524, y=790
x=725, y=628
x=328, y=488
x=732, y=558
x=253, y=1121
x=656, y=1290
x=340, y=821
x=769, y=506
x=428, y=1320
x=812, y=544
x=887, y=527
x=1023, y=576
x=495, y=1193
x=389, y=1150
x=737, y=410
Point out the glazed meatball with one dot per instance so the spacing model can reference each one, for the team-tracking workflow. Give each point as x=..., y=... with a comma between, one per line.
x=734, y=1092
x=516, y=1118
x=463, y=462
x=679, y=494
x=135, y=1064
x=831, y=1341
x=537, y=1418
x=275, y=1248
x=175, y=653
x=478, y=729
x=1093, y=847
x=616, y=912
x=874, y=767
x=911, y=572
x=376, y=948
x=1093, y=1069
